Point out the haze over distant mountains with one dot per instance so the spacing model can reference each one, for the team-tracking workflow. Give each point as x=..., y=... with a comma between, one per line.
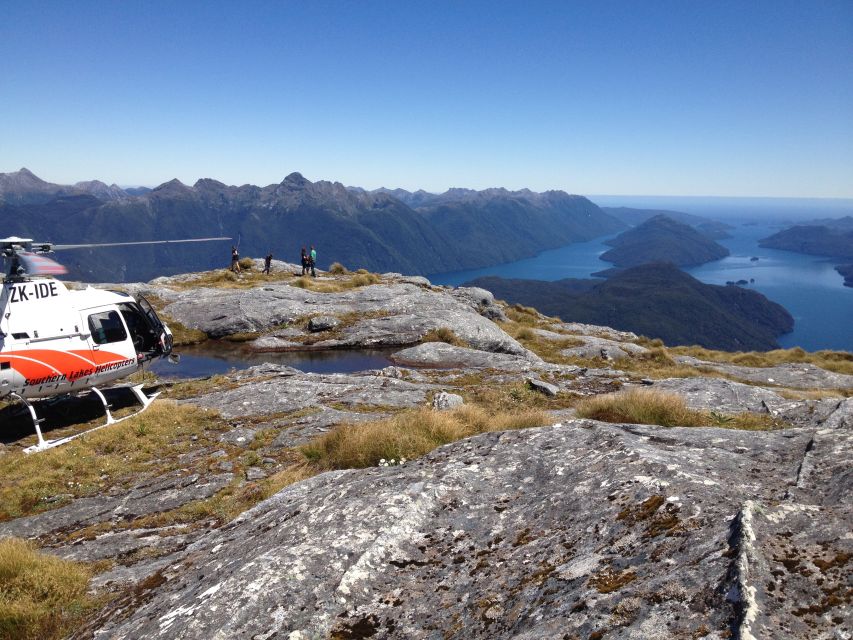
x=712, y=228
x=378, y=230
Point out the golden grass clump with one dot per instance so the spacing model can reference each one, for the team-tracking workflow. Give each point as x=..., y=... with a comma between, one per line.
x=640, y=406
x=41, y=596
x=336, y=268
x=411, y=434
x=246, y=264
x=837, y=361
x=648, y=406
x=444, y=334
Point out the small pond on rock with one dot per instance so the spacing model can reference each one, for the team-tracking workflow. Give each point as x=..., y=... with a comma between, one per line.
x=213, y=358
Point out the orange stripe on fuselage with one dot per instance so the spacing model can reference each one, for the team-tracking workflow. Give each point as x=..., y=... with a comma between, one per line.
x=43, y=363
x=100, y=357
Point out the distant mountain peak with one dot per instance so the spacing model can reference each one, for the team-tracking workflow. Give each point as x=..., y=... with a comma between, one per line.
x=296, y=179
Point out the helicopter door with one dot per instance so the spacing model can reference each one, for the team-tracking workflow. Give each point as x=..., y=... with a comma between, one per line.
x=145, y=337
x=164, y=337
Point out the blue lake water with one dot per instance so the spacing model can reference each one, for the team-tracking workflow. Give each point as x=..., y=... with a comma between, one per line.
x=809, y=287
x=214, y=357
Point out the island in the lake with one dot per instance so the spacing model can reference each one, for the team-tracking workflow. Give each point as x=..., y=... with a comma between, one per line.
x=662, y=239
x=658, y=301
x=831, y=237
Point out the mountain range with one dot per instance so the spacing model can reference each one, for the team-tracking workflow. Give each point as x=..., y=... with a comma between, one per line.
x=658, y=301
x=379, y=230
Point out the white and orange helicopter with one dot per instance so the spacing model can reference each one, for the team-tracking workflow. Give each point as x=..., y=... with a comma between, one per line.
x=55, y=341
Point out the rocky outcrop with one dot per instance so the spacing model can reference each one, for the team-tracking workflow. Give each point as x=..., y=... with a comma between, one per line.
x=595, y=347
x=796, y=375
x=440, y=355
x=586, y=529
x=385, y=314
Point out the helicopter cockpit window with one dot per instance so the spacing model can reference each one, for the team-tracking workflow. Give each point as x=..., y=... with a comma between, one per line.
x=106, y=327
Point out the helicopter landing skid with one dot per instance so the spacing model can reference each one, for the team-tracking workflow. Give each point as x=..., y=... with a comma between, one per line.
x=43, y=444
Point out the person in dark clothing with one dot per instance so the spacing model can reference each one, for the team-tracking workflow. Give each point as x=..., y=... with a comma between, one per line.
x=267, y=263
x=313, y=259
x=304, y=261
x=235, y=260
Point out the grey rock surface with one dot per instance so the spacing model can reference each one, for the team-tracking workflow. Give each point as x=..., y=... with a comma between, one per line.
x=566, y=531
x=718, y=394
x=597, y=331
x=441, y=355
x=595, y=347
x=272, y=389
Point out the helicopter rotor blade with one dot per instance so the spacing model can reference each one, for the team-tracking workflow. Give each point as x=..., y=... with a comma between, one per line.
x=62, y=247
x=38, y=265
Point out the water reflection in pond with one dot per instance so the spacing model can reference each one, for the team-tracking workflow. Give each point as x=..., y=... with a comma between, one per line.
x=216, y=357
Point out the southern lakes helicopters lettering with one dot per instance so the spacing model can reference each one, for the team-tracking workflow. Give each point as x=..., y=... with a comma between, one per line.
x=81, y=373
x=32, y=291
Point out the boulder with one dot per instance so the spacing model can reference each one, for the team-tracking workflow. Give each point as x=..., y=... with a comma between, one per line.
x=543, y=387
x=322, y=323
x=442, y=401
x=440, y=355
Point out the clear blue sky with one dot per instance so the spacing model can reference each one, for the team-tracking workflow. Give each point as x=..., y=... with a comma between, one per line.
x=681, y=97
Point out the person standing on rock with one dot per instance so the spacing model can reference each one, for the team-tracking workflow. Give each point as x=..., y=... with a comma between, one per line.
x=267, y=263
x=235, y=259
x=304, y=261
x=313, y=257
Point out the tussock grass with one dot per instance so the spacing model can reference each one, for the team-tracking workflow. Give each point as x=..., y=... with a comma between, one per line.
x=640, y=406
x=195, y=388
x=649, y=406
x=41, y=596
x=336, y=268
x=181, y=334
x=116, y=455
x=837, y=361
x=411, y=434
x=444, y=334
x=512, y=396
x=246, y=264
x=527, y=316
x=338, y=283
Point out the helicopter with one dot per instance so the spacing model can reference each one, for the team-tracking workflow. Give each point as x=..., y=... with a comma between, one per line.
x=55, y=341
